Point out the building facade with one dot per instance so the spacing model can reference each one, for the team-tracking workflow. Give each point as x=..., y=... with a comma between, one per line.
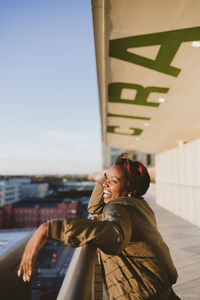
x=110, y=154
x=30, y=215
x=9, y=193
x=34, y=190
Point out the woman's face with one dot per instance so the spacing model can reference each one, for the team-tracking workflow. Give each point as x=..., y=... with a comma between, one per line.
x=114, y=185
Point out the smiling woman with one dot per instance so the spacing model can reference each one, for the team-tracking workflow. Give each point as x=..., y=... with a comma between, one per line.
x=114, y=185
x=135, y=261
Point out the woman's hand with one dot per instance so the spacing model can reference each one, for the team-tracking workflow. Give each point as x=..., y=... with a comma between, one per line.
x=36, y=242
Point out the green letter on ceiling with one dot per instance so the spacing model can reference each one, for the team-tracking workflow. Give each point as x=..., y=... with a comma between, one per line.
x=115, y=89
x=169, y=42
x=136, y=131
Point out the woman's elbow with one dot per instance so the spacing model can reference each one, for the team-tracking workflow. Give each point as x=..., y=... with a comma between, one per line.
x=114, y=246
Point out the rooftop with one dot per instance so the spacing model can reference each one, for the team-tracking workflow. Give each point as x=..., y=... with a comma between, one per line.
x=9, y=238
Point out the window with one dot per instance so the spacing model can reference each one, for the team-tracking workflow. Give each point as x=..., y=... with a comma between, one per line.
x=135, y=157
x=113, y=158
x=148, y=159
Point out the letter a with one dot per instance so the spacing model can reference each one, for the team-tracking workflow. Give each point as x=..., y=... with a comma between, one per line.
x=169, y=42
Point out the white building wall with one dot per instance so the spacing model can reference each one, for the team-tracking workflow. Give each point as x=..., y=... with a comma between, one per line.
x=2, y=194
x=34, y=190
x=9, y=193
x=178, y=181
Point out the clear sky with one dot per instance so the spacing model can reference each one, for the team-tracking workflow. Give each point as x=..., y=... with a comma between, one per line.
x=50, y=119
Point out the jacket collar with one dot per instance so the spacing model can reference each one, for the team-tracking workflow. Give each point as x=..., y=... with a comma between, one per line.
x=127, y=201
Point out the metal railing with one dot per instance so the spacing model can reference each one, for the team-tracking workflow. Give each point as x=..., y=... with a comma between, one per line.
x=82, y=279
x=11, y=286
x=79, y=280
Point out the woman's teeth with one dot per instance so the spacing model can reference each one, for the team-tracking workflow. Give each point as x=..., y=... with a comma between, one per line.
x=106, y=192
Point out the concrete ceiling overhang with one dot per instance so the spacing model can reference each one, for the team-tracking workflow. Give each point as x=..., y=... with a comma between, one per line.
x=148, y=69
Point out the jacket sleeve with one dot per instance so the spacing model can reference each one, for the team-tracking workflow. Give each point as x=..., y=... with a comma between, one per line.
x=96, y=203
x=110, y=235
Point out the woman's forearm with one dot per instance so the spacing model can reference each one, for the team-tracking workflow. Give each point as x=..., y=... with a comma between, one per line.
x=35, y=243
x=96, y=202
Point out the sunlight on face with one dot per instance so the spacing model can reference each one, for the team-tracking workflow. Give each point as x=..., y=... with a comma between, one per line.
x=114, y=185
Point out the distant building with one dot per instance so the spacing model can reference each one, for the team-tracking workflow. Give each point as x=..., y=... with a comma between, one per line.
x=30, y=190
x=29, y=215
x=1, y=217
x=111, y=153
x=77, y=186
x=95, y=176
x=34, y=190
x=20, y=180
x=9, y=193
x=16, y=189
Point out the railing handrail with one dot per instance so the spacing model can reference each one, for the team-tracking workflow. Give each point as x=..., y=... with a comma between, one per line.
x=11, y=286
x=13, y=255
x=78, y=281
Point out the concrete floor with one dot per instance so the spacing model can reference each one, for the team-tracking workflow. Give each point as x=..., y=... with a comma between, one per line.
x=183, y=240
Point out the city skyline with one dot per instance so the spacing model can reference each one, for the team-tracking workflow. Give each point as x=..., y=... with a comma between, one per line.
x=49, y=99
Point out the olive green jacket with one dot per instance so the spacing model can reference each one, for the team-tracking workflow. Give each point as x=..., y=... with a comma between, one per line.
x=135, y=261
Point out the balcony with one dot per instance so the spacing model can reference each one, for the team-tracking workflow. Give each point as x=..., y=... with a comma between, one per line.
x=84, y=261
x=83, y=276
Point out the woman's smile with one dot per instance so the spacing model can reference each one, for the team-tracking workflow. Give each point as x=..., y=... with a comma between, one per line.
x=106, y=194
x=114, y=184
